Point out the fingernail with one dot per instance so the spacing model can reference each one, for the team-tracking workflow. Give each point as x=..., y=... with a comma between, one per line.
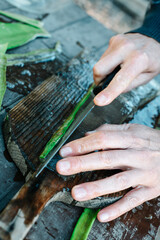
x=103, y=217
x=65, y=151
x=80, y=193
x=101, y=99
x=64, y=166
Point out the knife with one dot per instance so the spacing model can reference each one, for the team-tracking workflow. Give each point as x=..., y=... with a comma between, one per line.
x=87, y=107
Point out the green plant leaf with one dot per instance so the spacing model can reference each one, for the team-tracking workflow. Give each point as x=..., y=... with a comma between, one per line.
x=3, y=65
x=17, y=34
x=21, y=18
x=84, y=224
x=64, y=127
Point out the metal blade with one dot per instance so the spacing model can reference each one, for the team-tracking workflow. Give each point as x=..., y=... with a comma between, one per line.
x=88, y=106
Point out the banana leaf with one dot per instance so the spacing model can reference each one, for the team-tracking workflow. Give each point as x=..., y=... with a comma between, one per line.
x=36, y=56
x=17, y=34
x=3, y=64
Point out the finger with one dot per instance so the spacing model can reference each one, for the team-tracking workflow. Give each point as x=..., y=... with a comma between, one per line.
x=131, y=200
x=106, y=65
x=130, y=70
x=115, y=183
x=142, y=79
x=111, y=127
x=103, y=140
x=115, y=159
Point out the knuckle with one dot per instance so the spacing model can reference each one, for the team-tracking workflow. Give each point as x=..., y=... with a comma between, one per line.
x=77, y=163
x=137, y=142
x=132, y=201
x=133, y=126
x=82, y=147
x=141, y=57
x=115, y=39
x=125, y=126
x=100, y=137
x=105, y=158
x=122, y=181
x=127, y=44
x=96, y=71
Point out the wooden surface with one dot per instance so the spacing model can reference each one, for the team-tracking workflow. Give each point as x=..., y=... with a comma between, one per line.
x=57, y=221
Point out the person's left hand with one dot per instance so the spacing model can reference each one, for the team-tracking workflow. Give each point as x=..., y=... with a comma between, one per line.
x=135, y=149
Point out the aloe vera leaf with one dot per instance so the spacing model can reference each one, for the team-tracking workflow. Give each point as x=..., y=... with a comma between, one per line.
x=84, y=224
x=21, y=18
x=64, y=127
x=3, y=65
x=17, y=34
x=34, y=56
x=3, y=48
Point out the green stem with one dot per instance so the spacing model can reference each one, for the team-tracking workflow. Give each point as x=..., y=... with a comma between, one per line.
x=84, y=224
x=64, y=127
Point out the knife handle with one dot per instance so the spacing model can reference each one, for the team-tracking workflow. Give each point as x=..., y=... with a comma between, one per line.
x=105, y=82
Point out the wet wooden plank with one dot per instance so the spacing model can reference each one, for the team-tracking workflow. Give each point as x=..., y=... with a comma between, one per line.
x=4, y=5
x=82, y=31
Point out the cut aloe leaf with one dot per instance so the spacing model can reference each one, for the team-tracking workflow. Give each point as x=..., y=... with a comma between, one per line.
x=21, y=18
x=64, y=127
x=34, y=56
x=3, y=65
x=84, y=224
x=17, y=34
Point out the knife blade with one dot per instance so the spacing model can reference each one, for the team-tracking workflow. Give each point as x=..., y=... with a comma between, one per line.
x=87, y=107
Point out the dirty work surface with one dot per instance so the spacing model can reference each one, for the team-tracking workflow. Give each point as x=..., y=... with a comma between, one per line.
x=57, y=220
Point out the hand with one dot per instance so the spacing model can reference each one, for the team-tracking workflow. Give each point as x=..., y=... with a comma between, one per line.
x=139, y=58
x=135, y=149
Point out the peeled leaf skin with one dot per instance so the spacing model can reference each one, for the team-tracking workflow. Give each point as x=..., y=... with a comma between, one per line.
x=84, y=224
x=3, y=64
x=23, y=19
x=17, y=34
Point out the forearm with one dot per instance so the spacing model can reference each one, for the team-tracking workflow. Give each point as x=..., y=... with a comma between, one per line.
x=151, y=24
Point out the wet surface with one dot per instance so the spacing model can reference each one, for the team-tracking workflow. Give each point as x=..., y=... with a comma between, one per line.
x=24, y=78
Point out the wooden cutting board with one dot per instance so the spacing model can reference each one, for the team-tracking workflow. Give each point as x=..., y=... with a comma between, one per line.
x=31, y=123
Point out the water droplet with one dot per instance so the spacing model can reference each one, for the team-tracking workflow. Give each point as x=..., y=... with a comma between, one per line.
x=26, y=72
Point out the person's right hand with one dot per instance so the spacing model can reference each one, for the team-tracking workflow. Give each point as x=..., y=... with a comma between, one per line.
x=139, y=58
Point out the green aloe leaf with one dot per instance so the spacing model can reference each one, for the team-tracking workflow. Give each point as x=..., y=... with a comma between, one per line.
x=84, y=224
x=3, y=64
x=21, y=18
x=17, y=34
x=34, y=56
x=64, y=127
